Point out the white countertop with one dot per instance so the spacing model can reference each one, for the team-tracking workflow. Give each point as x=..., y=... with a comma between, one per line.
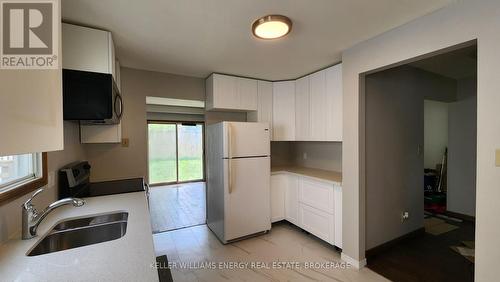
x=128, y=258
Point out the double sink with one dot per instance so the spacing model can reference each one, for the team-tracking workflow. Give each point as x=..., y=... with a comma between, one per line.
x=81, y=232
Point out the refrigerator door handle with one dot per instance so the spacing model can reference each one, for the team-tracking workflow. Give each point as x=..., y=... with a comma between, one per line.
x=230, y=176
x=230, y=143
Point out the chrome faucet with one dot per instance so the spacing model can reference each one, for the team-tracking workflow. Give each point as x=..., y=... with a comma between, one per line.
x=31, y=218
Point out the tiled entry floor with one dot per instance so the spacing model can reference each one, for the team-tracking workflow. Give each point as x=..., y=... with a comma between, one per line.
x=177, y=206
x=188, y=247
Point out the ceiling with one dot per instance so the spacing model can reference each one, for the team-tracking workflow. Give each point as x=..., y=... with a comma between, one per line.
x=456, y=64
x=198, y=37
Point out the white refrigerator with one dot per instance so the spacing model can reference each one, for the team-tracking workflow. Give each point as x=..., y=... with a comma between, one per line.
x=238, y=179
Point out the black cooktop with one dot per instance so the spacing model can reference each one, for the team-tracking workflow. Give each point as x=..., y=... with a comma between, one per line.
x=95, y=189
x=115, y=187
x=74, y=181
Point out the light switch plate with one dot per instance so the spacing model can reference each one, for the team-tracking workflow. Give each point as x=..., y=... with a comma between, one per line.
x=497, y=157
x=51, y=180
x=125, y=142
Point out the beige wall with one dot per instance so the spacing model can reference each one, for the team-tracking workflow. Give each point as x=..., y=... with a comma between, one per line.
x=435, y=132
x=460, y=22
x=394, y=164
x=321, y=155
x=403, y=131
x=461, y=192
x=112, y=161
x=10, y=214
x=214, y=117
x=281, y=153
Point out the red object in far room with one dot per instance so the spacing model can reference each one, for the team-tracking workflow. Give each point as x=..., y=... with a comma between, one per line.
x=435, y=208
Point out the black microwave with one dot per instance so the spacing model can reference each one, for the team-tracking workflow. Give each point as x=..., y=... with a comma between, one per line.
x=91, y=97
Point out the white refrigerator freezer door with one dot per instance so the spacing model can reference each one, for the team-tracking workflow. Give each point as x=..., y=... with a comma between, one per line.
x=247, y=197
x=246, y=139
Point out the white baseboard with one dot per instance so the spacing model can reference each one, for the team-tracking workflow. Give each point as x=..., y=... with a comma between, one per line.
x=356, y=263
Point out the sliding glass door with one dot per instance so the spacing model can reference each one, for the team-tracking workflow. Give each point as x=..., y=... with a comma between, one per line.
x=175, y=152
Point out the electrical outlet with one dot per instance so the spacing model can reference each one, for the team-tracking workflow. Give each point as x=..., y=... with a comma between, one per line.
x=304, y=156
x=405, y=216
x=125, y=142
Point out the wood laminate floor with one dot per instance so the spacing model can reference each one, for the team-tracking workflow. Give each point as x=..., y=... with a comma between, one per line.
x=177, y=206
x=427, y=258
x=187, y=248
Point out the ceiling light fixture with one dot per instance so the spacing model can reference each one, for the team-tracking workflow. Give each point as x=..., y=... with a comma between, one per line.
x=272, y=27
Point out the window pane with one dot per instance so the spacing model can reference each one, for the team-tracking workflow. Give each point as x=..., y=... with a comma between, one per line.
x=162, y=153
x=190, y=152
x=15, y=167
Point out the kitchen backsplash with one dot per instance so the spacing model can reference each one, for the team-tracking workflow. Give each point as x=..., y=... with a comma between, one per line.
x=321, y=155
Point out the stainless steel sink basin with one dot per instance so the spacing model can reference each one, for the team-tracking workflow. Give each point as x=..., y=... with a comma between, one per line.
x=93, y=220
x=82, y=232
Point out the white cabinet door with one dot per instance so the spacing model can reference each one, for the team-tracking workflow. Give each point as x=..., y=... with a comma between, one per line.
x=278, y=186
x=284, y=111
x=334, y=103
x=31, y=110
x=247, y=92
x=87, y=49
x=318, y=106
x=302, y=110
x=292, y=199
x=317, y=194
x=111, y=133
x=264, y=111
x=316, y=221
x=224, y=92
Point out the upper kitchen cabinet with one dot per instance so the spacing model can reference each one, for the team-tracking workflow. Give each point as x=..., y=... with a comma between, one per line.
x=88, y=49
x=333, y=76
x=230, y=93
x=302, y=109
x=92, y=50
x=284, y=111
x=318, y=107
x=264, y=111
x=31, y=109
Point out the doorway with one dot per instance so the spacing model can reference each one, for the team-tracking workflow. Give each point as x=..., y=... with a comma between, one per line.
x=176, y=174
x=176, y=152
x=420, y=150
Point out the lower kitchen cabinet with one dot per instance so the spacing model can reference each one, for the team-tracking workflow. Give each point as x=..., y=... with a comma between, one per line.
x=317, y=222
x=316, y=194
x=311, y=204
x=278, y=186
x=292, y=199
